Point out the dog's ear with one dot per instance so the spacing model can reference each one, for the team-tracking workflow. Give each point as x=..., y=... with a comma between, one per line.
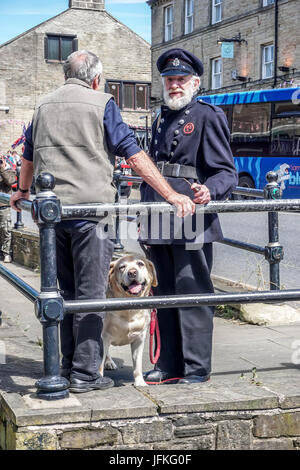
x=152, y=270
x=111, y=268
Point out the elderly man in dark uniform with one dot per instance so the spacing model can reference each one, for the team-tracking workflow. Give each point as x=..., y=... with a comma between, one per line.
x=190, y=146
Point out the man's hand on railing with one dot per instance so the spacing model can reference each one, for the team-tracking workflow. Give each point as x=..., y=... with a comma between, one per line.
x=185, y=206
x=202, y=193
x=16, y=197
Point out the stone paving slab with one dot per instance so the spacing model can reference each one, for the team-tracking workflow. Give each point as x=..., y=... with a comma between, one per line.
x=116, y=403
x=211, y=396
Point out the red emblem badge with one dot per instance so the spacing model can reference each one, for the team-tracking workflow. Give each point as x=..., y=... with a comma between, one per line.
x=189, y=128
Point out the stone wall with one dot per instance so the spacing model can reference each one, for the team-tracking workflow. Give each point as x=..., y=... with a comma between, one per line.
x=26, y=248
x=25, y=75
x=256, y=25
x=225, y=430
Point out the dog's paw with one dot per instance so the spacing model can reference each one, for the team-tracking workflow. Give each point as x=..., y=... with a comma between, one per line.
x=110, y=364
x=140, y=382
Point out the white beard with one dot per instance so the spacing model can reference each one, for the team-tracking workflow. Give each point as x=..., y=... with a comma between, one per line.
x=178, y=103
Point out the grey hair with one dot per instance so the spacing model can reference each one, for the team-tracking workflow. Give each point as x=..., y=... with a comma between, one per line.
x=83, y=65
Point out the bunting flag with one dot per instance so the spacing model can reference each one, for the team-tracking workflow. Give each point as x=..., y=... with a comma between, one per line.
x=20, y=140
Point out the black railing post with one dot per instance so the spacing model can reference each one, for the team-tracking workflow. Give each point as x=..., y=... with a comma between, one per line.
x=19, y=221
x=118, y=244
x=274, y=251
x=49, y=307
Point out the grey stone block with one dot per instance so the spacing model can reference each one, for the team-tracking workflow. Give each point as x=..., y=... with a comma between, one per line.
x=90, y=437
x=190, y=419
x=278, y=425
x=273, y=444
x=191, y=431
x=200, y=443
x=234, y=435
x=147, y=432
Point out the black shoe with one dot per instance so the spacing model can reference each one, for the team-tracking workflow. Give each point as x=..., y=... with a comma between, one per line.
x=193, y=379
x=81, y=386
x=155, y=377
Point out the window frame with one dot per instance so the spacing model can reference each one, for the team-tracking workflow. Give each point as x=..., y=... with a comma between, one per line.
x=123, y=83
x=266, y=4
x=171, y=25
x=186, y=16
x=60, y=37
x=264, y=64
x=216, y=6
x=213, y=75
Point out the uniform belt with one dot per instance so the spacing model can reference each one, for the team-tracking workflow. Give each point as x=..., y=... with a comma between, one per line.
x=176, y=170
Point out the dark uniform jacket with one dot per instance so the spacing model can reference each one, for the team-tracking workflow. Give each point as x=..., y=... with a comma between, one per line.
x=197, y=136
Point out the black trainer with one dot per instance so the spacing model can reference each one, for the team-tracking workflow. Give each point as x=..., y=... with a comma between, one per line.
x=81, y=386
x=156, y=377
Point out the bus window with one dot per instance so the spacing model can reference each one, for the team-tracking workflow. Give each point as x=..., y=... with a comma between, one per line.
x=286, y=136
x=251, y=123
x=286, y=107
x=227, y=113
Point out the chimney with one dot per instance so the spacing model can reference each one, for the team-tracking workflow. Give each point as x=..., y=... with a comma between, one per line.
x=87, y=4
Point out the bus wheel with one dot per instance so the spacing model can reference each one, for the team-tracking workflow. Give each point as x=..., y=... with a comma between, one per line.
x=245, y=182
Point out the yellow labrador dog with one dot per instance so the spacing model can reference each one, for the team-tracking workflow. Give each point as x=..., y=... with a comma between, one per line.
x=130, y=276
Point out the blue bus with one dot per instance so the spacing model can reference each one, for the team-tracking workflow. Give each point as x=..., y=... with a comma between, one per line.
x=265, y=135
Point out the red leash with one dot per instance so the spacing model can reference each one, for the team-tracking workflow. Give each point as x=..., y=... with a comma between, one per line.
x=154, y=328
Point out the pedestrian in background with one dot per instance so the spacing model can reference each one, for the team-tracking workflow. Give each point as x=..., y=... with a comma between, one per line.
x=7, y=179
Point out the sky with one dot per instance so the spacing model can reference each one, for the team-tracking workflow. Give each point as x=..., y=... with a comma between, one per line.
x=17, y=16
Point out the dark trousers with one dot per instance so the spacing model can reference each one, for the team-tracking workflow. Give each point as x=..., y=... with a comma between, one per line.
x=83, y=261
x=186, y=333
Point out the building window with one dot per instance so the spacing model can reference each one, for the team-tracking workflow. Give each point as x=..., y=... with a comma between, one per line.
x=114, y=89
x=189, y=16
x=216, y=11
x=58, y=47
x=267, y=2
x=129, y=95
x=267, y=61
x=169, y=21
x=216, y=75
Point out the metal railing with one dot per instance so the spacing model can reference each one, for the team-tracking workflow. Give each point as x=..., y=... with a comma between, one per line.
x=50, y=307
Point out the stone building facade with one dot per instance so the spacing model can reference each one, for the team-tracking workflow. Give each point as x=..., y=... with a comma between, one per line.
x=31, y=64
x=200, y=25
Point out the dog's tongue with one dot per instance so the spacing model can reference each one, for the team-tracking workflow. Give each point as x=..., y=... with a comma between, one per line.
x=135, y=288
